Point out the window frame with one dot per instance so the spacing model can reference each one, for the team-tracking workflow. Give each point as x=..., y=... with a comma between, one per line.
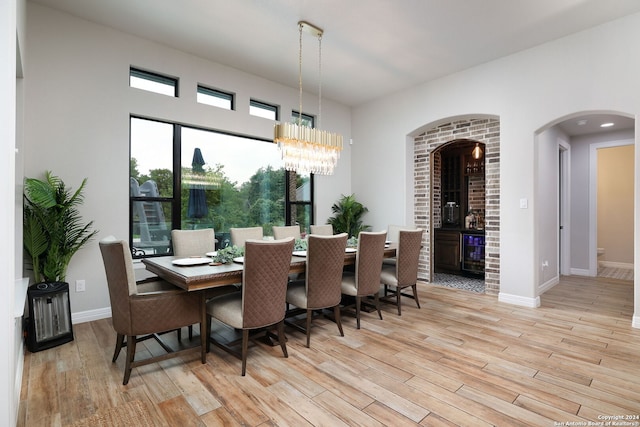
x=175, y=200
x=216, y=93
x=265, y=106
x=155, y=77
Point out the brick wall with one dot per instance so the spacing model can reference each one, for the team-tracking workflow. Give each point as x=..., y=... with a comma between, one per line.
x=427, y=164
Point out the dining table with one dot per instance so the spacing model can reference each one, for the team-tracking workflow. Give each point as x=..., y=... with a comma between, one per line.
x=197, y=274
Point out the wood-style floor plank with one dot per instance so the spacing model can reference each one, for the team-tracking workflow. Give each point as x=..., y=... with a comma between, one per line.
x=462, y=359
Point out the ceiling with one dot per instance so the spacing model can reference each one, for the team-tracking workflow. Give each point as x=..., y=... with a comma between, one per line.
x=370, y=48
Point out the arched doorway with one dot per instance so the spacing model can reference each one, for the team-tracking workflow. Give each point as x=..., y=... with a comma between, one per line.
x=568, y=221
x=431, y=137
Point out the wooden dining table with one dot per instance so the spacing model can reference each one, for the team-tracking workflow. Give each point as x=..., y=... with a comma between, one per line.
x=200, y=277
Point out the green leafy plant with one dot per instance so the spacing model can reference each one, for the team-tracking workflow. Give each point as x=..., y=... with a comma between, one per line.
x=348, y=213
x=226, y=255
x=53, y=228
x=300, y=245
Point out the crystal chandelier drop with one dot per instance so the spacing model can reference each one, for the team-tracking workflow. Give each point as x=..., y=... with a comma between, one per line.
x=305, y=149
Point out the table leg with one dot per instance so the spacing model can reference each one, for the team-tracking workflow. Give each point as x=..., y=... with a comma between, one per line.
x=203, y=326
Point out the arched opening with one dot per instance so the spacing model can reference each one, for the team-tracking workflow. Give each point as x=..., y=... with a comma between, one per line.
x=585, y=203
x=460, y=133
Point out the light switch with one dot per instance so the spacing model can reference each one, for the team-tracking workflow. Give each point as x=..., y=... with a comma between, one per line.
x=524, y=203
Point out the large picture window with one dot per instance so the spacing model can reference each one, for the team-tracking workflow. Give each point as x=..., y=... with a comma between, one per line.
x=187, y=178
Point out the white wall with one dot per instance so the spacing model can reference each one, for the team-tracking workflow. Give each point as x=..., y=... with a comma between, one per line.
x=547, y=207
x=11, y=50
x=77, y=122
x=527, y=91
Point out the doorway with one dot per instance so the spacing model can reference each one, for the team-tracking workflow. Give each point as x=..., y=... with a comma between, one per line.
x=572, y=144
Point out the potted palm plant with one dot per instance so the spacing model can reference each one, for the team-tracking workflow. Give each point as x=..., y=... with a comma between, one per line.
x=348, y=213
x=53, y=228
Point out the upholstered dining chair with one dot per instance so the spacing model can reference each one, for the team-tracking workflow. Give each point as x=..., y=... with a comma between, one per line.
x=281, y=232
x=321, y=229
x=188, y=243
x=393, y=234
x=321, y=287
x=405, y=271
x=365, y=280
x=393, y=231
x=262, y=302
x=143, y=311
x=240, y=234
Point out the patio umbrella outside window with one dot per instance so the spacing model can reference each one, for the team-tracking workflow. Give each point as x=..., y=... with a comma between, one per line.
x=197, y=207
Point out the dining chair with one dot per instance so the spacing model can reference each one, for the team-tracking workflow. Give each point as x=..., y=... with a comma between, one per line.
x=393, y=231
x=281, y=232
x=191, y=243
x=364, y=281
x=240, y=234
x=188, y=243
x=323, y=230
x=321, y=287
x=262, y=302
x=404, y=273
x=393, y=234
x=143, y=311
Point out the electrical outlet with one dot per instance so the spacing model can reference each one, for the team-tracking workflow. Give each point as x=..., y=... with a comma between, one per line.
x=80, y=286
x=524, y=203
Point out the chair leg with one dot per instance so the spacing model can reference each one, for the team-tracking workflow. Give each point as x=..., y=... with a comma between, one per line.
x=398, y=301
x=179, y=331
x=119, y=342
x=131, y=354
x=282, y=338
x=415, y=294
x=208, y=332
x=376, y=298
x=245, y=348
x=190, y=332
x=336, y=314
x=309, y=314
x=357, y=312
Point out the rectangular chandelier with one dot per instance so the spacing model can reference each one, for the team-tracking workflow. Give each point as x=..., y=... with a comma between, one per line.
x=305, y=149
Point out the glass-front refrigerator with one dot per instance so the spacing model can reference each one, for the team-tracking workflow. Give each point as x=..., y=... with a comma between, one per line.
x=473, y=253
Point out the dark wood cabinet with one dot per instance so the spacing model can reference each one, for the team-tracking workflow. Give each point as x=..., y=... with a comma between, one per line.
x=447, y=251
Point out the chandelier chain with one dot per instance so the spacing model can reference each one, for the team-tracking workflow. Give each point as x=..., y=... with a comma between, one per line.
x=319, y=81
x=305, y=148
x=300, y=77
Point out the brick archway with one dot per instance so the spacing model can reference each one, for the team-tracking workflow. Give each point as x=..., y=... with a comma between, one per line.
x=426, y=162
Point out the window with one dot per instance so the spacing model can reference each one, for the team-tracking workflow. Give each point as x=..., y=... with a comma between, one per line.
x=304, y=119
x=188, y=178
x=261, y=109
x=300, y=197
x=215, y=97
x=153, y=82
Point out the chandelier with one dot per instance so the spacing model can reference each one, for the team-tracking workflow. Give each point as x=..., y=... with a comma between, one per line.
x=305, y=149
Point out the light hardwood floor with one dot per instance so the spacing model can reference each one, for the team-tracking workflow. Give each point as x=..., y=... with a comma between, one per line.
x=463, y=359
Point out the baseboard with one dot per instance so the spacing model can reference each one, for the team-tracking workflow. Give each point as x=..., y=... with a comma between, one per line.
x=612, y=264
x=90, y=315
x=519, y=300
x=635, y=322
x=19, y=367
x=548, y=285
x=580, y=272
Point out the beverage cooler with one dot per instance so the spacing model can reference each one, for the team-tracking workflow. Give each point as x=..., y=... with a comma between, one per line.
x=473, y=253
